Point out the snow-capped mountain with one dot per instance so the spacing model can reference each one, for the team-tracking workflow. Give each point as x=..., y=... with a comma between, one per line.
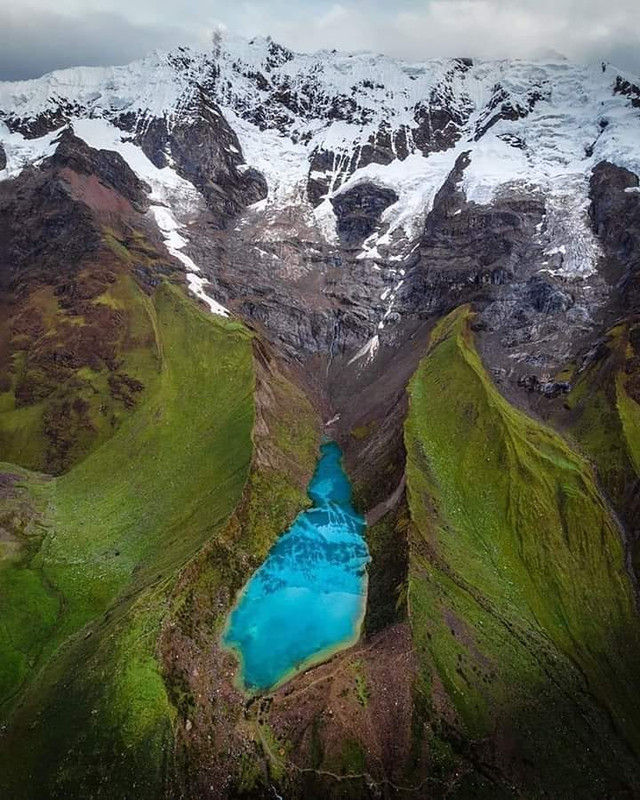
x=348, y=152
x=310, y=123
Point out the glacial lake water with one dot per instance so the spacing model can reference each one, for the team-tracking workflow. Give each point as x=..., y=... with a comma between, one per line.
x=307, y=600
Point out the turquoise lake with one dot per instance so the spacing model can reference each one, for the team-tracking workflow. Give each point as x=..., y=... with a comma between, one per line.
x=307, y=600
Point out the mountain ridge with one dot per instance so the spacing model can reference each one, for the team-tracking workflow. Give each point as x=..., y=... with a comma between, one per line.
x=405, y=137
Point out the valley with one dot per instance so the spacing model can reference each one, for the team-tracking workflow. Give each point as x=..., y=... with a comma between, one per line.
x=319, y=428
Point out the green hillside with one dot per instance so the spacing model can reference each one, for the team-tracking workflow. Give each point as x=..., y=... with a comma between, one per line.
x=602, y=412
x=77, y=354
x=521, y=609
x=89, y=560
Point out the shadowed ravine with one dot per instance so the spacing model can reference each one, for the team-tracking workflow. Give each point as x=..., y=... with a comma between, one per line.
x=308, y=598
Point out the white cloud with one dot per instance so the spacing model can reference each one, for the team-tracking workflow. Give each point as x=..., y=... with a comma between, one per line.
x=483, y=28
x=36, y=40
x=584, y=30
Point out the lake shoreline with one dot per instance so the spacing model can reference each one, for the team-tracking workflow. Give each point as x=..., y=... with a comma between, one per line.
x=283, y=608
x=322, y=657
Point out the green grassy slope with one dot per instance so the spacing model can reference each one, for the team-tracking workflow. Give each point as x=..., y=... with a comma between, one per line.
x=521, y=610
x=602, y=412
x=86, y=587
x=220, y=747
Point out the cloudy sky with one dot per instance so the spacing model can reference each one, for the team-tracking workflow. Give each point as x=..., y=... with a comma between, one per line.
x=37, y=36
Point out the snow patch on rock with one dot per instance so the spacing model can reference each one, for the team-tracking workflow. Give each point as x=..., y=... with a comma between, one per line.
x=368, y=352
x=170, y=195
x=21, y=152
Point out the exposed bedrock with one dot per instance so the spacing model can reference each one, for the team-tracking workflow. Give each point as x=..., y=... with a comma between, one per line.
x=615, y=216
x=42, y=220
x=358, y=212
x=628, y=89
x=466, y=246
x=503, y=107
x=205, y=151
x=107, y=166
x=328, y=170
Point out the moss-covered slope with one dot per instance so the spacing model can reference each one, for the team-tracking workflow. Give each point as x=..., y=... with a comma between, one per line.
x=602, y=412
x=93, y=556
x=521, y=609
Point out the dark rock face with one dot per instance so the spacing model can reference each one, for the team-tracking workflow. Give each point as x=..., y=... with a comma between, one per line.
x=545, y=297
x=615, y=216
x=383, y=147
x=3, y=158
x=317, y=301
x=203, y=147
x=322, y=161
x=466, y=248
x=358, y=211
x=206, y=152
x=338, y=167
x=439, y=120
x=42, y=224
x=109, y=167
x=436, y=128
x=502, y=106
x=34, y=128
x=549, y=389
x=300, y=294
x=278, y=55
x=630, y=90
x=54, y=218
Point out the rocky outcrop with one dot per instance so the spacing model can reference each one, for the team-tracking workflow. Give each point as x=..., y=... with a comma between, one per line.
x=33, y=127
x=205, y=151
x=358, y=211
x=615, y=216
x=545, y=297
x=550, y=389
x=43, y=224
x=328, y=170
x=440, y=120
x=107, y=166
x=503, y=107
x=3, y=158
x=628, y=89
x=466, y=249
x=436, y=128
